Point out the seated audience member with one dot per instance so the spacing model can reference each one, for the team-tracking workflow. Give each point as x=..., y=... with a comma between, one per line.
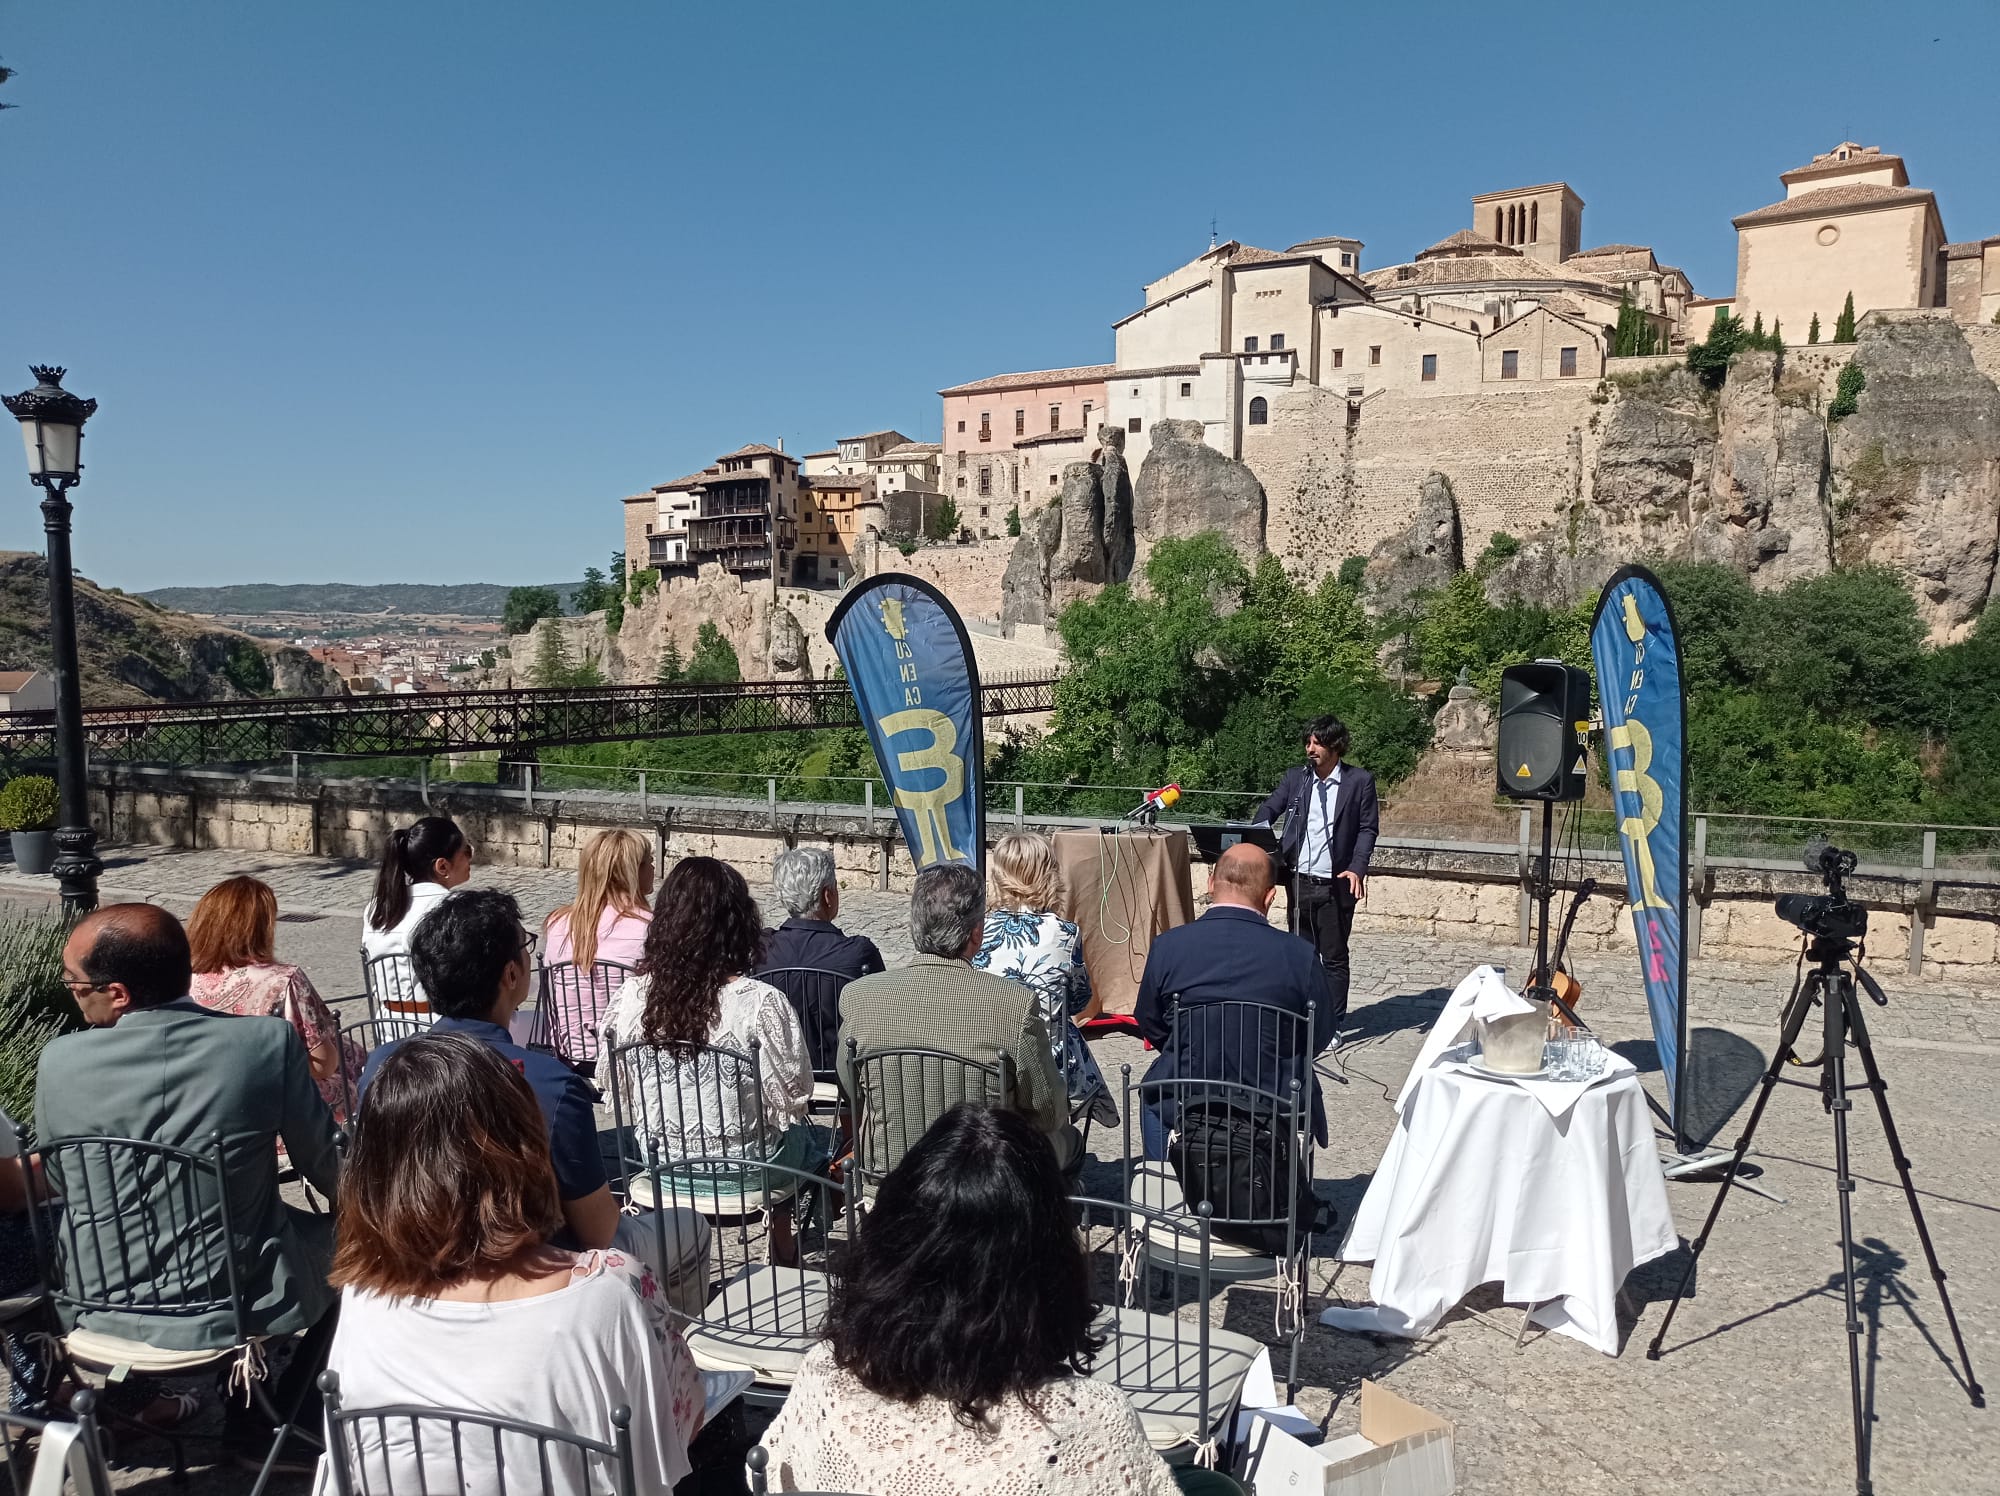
x=607, y=921
x=477, y=963
x=959, y=1338
x=939, y=1002
x=692, y=989
x=158, y=1066
x=452, y=1297
x=231, y=935
x=28, y=1377
x=804, y=881
x=420, y=865
x=1026, y=941
x=1232, y=953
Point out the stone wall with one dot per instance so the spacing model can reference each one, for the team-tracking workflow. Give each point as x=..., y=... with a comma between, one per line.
x=1417, y=888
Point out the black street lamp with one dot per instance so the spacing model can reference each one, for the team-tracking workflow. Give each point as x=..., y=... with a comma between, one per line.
x=52, y=426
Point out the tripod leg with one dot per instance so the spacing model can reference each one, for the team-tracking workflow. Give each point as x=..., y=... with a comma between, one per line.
x=1881, y=1089
x=1794, y=1021
x=1838, y=1105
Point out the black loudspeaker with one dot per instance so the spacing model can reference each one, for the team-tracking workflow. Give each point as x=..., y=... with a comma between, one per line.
x=1544, y=709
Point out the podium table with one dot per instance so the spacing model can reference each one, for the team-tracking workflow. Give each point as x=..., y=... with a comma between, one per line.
x=1122, y=886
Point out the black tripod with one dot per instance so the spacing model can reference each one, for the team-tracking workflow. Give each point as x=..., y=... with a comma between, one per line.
x=1832, y=988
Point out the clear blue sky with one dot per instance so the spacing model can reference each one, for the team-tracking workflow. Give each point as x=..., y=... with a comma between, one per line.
x=417, y=291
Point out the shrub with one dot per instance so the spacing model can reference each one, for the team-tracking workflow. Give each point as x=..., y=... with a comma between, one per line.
x=528, y=606
x=1843, y=327
x=34, y=1005
x=1352, y=570
x=28, y=802
x=1014, y=514
x=1502, y=547
x=1709, y=359
x=1845, y=390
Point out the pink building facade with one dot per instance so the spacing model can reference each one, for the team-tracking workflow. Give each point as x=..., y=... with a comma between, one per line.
x=996, y=437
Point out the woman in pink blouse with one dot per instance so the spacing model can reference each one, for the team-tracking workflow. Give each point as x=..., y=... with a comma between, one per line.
x=607, y=921
x=231, y=935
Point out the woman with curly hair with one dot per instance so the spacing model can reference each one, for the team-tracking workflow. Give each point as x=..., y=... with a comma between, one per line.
x=693, y=989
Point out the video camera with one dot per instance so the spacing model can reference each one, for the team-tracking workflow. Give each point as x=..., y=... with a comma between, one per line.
x=1830, y=915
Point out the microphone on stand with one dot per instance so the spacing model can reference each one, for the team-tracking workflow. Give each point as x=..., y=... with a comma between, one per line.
x=1148, y=810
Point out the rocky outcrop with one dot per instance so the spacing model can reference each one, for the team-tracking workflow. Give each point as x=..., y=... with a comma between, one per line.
x=787, y=649
x=1115, y=479
x=1024, y=592
x=1186, y=486
x=1763, y=509
x=1061, y=553
x=1428, y=553
x=1916, y=468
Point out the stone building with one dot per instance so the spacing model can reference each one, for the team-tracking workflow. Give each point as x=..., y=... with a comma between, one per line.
x=1972, y=280
x=909, y=467
x=656, y=521
x=985, y=467
x=836, y=512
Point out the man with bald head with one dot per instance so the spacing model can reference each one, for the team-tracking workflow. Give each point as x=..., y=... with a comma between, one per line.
x=1232, y=953
x=157, y=1066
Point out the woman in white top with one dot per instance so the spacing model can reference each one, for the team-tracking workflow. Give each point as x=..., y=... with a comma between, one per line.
x=451, y=1297
x=420, y=865
x=692, y=989
x=959, y=1339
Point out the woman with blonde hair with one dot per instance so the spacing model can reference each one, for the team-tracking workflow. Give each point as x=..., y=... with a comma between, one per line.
x=231, y=936
x=1028, y=942
x=606, y=921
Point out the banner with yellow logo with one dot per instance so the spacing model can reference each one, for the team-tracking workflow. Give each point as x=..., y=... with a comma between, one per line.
x=910, y=667
x=1645, y=732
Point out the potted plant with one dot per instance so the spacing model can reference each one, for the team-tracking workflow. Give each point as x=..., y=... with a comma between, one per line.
x=28, y=810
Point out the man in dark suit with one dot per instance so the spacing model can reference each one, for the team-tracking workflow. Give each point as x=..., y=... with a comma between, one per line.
x=1331, y=821
x=156, y=1065
x=1232, y=953
x=804, y=881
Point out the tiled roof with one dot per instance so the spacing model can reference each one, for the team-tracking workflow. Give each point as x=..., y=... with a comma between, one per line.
x=692, y=480
x=1852, y=197
x=13, y=680
x=1324, y=239
x=1613, y=249
x=1969, y=249
x=1249, y=254
x=755, y=449
x=908, y=452
x=818, y=481
x=1466, y=270
x=1047, y=438
x=1161, y=369
x=711, y=480
x=1033, y=378
x=1829, y=164
x=873, y=434
x=829, y=452
x=1466, y=241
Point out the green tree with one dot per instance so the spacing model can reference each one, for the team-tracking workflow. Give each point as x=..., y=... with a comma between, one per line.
x=552, y=667
x=527, y=606
x=1777, y=343
x=1352, y=571
x=1502, y=547
x=1014, y=520
x=1756, y=338
x=247, y=668
x=1812, y=331
x=714, y=658
x=5, y=74
x=942, y=522
x=593, y=594
x=672, y=669
x=1709, y=359
x=486, y=659
x=1843, y=327
x=1847, y=392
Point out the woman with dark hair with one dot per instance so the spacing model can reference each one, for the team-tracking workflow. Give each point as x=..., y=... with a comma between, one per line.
x=693, y=988
x=449, y=1289
x=420, y=865
x=959, y=1340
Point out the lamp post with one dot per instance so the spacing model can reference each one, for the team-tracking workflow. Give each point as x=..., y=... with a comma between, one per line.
x=52, y=426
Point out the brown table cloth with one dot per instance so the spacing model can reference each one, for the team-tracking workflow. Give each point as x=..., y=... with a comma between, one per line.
x=1122, y=887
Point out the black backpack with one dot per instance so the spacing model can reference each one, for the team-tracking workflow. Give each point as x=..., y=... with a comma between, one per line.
x=1238, y=1162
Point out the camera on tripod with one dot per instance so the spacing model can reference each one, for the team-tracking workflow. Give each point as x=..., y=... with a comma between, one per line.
x=1830, y=915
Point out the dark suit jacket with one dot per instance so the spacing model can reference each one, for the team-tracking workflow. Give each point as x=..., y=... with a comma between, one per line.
x=826, y=947
x=1232, y=954
x=1357, y=817
x=178, y=1074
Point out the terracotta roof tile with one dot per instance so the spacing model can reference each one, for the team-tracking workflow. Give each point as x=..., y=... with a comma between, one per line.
x=1047, y=438
x=755, y=449
x=1846, y=198
x=908, y=452
x=873, y=434
x=1466, y=241
x=1829, y=164
x=1613, y=249
x=1033, y=378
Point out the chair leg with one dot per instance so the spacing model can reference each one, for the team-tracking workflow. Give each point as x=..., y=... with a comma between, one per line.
x=283, y=1428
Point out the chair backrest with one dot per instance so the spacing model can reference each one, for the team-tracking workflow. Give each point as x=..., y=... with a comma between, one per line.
x=408, y=1448
x=573, y=1002
x=393, y=988
x=71, y=1457
x=1260, y=1046
x=691, y=1101
x=360, y=1040
x=145, y=1229
x=899, y=1093
x=814, y=993
x=759, y=1461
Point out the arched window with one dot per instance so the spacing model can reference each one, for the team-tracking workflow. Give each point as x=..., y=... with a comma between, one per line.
x=1500, y=224
x=1534, y=222
x=1260, y=413
x=1510, y=223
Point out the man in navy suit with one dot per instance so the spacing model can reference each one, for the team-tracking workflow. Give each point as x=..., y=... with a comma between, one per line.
x=1232, y=953
x=1331, y=822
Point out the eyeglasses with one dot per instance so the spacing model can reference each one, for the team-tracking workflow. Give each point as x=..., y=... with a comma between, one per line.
x=78, y=986
x=528, y=939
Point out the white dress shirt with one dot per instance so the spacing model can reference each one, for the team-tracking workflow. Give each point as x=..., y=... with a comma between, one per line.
x=1322, y=799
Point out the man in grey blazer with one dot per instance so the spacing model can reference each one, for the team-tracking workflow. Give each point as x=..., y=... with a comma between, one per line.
x=939, y=1002
x=157, y=1066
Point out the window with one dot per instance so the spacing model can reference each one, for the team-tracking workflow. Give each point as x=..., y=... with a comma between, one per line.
x=1568, y=366
x=1187, y=389
x=1260, y=413
x=1534, y=222
x=961, y=428
x=982, y=511
x=1052, y=480
x=961, y=482
x=1020, y=423
x=1249, y=345
x=985, y=481
x=1339, y=357
x=1375, y=354
x=1430, y=367
x=1499, y=229
x=1055, y=418
x=1277, y=342
x=1133, y=426
x=1346, y=260
x=649, y=529
x=1086, y=415
x=1510, y=364
x=1014, y=480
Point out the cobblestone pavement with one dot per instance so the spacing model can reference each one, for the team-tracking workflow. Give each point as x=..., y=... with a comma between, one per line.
x=1751, y=1394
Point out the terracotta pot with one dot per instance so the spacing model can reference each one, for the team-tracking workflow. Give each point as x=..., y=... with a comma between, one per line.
x=34, y=851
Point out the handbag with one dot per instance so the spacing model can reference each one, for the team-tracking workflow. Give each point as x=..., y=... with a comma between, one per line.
x=1238, y=1162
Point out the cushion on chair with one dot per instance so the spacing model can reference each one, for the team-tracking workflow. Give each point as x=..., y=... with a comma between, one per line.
x=1155, y=1360
x=714, y=1195
x=106, y=1352
x=763, y=1320
x=1157, y=1187
x=826, y=1096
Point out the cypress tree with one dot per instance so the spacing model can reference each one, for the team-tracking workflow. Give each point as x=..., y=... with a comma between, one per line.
x=1757, y=331
x=1812, y=332
x=1777, y=336
x=1843, y=327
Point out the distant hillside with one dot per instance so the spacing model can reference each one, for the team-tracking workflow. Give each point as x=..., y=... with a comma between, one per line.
x=131, y=650
x=461, y=599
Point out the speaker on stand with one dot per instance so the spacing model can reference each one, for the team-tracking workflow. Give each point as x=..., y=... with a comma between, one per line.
x=1544, y=717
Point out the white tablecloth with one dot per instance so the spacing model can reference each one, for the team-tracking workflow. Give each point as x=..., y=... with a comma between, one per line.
x=1481, y=1184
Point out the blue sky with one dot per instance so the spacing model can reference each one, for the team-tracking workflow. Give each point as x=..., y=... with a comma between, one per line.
x=417, y=291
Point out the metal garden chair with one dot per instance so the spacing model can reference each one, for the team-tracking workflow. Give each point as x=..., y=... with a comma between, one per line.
x=814, y=993
x=393, y=989
x=360, y=1040
x=148, y=1228
x=71, y=1456
x=572, y=1006
x=407, y=1448
x=899, y=1093
x=759, y=1461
